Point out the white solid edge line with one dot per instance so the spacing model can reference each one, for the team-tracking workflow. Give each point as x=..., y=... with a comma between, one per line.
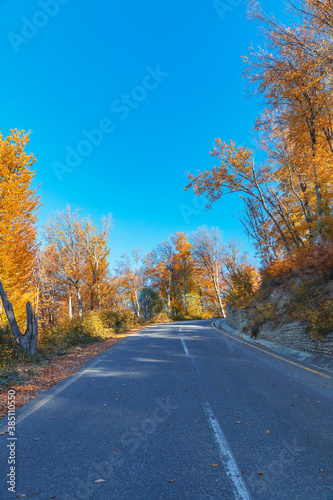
x=239, y=487
x=185, y=347
x=46, y=399
x=189, y=355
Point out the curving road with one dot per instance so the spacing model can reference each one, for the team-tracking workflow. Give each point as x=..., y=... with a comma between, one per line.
x=178, y=411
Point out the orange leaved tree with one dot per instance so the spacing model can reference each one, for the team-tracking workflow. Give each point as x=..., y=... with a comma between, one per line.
x=18, y=246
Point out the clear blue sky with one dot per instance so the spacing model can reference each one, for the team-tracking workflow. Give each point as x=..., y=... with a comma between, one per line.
x=66, y=67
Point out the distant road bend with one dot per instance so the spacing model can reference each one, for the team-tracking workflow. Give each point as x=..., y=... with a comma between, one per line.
x=178, y=411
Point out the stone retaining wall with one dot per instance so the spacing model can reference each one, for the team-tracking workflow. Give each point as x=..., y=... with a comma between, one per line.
x=292, y=335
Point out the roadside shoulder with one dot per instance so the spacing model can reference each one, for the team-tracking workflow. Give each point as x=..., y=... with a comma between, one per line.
x=315, y=360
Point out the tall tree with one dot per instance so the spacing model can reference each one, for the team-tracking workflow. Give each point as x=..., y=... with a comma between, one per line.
x=208, y=251
x=184, y=265
x=160, y=271
x=95, y=248
x=63, y=232
x=151, y=302
x=131, y=275
x=19, y=205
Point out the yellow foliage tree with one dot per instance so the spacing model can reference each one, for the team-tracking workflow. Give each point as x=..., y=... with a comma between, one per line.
x=19, y=205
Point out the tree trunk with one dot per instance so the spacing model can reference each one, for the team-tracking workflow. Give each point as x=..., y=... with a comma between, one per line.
x=28, y=341
x=168, y=290
x=137, y=305
x=92, y=298
x=201, y=301
x=79, y=303
x=98, y=297
x=218, y=295
x=185, y=289
x=70, y=308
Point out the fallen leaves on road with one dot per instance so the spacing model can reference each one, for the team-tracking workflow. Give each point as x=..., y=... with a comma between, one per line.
x=55, y=370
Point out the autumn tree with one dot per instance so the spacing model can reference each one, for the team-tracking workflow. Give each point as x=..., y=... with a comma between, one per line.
x=63, y=233
x=19, y=205
x=208, y=252
x=151, y=302
x=293, y=74
x=95, y=249
x=113, y=297
x=241, y=276
x=288, y=193
x=49, y=285
x=238, y=173
x=186, y=285
x=130, y=273
x=160, y=271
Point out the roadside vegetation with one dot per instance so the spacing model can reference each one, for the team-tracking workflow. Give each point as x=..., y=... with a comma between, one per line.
x=286, y=182
x=63, y=294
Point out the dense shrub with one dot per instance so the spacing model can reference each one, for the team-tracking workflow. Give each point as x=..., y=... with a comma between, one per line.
x=94, y=326
x=119, y=322
x=180, y=317
x=9, y=350
x=312, y=304
x=243, y=282
x=162, y=317
x=90, y=328
x=311, y=261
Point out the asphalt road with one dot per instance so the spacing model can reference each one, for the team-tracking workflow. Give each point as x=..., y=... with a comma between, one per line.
x=177, y=411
